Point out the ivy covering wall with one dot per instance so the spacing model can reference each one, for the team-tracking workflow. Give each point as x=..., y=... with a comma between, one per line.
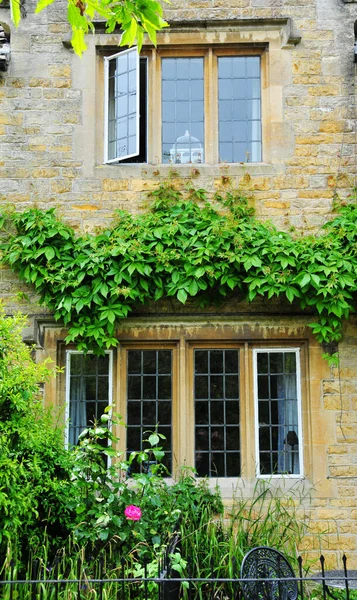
x=182, y=246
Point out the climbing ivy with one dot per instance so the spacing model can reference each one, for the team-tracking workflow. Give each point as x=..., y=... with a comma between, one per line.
x=183, y=247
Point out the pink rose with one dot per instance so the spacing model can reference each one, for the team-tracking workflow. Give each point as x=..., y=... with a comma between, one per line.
x=132, y=512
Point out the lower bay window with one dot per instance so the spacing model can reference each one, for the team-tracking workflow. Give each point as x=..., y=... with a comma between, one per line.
x=205, y=410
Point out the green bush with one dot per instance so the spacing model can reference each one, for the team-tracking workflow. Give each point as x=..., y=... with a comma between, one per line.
x=34, y=466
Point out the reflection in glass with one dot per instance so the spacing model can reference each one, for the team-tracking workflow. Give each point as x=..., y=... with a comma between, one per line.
x=239, y=109
x=182, y=110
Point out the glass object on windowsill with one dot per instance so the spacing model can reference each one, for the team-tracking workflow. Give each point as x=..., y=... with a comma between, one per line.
x=187, y=149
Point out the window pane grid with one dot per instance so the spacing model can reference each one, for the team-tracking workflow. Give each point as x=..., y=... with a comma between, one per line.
x=182, y=110
x=239, y=98
x=123, y=105
x=217, y=439
x=149, y=397
x=278, y=413
x=88, y=393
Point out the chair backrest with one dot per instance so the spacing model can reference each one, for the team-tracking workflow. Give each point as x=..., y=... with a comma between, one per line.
x=263, y=563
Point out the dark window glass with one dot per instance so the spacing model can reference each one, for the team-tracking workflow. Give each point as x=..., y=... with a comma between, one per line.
x=150, y=384
x=216, y=395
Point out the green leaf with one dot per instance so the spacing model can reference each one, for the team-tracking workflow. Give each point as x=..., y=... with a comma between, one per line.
x=153, y=439
x=182, y=296
x=41, y=4
x=305, y=279
x=77, y=41
x=49, y=252
x=15, y=12
x=193, y=288
x=200, y=272
x=129, y=35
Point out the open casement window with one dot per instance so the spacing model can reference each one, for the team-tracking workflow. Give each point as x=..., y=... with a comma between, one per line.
x=88, y=391
x=278, y=412
x=125, y=107
x=199, y=105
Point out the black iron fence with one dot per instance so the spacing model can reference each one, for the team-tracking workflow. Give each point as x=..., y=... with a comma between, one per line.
x=48, y=583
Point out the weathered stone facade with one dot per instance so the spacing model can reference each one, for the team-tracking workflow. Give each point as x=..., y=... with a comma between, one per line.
x=51, y=136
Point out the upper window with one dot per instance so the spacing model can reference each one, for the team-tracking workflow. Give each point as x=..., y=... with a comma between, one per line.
x=189, y=107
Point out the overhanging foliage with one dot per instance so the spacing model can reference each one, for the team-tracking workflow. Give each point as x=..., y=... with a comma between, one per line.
x=182, y=247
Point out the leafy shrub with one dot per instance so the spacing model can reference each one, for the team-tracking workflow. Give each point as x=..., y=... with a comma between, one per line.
x=34, y=466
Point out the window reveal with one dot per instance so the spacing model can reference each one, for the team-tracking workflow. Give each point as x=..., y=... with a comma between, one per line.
x=216, y=395
x=149, y=396
x=181, y=125
x=278, y=406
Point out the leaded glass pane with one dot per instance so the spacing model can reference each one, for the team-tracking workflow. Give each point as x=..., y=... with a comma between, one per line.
x=279, y=433
x=239, y=98
x=182, y=110
x=216, y=395
x=150, y=384
x=88, y=391
x=123, y=105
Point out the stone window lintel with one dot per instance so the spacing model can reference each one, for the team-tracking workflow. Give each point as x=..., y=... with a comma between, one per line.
x=241, y=30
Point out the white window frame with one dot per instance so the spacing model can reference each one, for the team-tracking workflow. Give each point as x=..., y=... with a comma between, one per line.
x=154, y=144
x=285, y=349
x=68, y=383
x=107, y=60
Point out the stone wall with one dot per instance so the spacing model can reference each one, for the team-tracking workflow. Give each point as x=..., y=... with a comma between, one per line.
x=50, y=132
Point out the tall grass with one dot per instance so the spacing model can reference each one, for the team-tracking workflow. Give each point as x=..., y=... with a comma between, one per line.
x=269, y=518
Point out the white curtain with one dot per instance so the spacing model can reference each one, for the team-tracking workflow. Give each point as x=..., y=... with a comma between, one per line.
x=288, y=437
x=77, y=410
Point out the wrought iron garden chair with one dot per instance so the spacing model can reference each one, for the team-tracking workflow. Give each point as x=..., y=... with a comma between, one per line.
x=269, y=576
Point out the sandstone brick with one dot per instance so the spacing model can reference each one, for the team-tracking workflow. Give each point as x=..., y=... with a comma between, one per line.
x=61, y=83
x=61, y=186
x=87, y=207
x=11, y=119
x=115, y=185
x=311, y=67
x=280, y=205
x=40, y=82
x=60, y=149
x=324, y=90
x=315, y=193
x=315, y=139
x=332, y=127
x=45, y=173
x=60, y=71
x=37, y=148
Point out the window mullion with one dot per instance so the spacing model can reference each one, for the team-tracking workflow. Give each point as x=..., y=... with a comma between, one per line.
x=154, y=109
x=211, y=107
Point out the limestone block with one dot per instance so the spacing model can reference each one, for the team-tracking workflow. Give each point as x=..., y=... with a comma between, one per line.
x=114, y=185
